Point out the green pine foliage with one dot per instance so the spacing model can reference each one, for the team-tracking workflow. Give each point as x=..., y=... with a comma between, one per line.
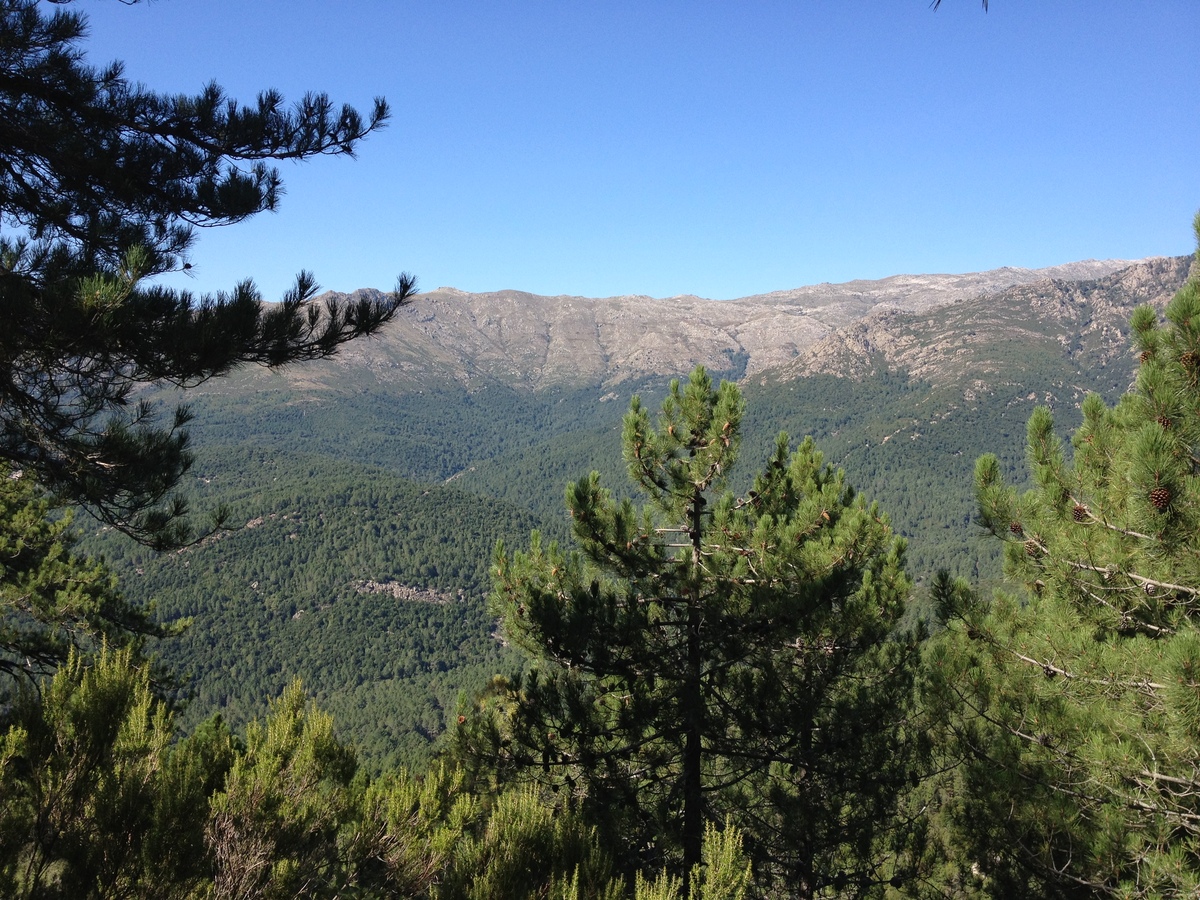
x=723, y=874
x=1079, y=711
x=529, y=848
x=368, y=587
x=709, y=656
x=52, y=600
x=102, y=184
x=99, y=800
x=912, y=447
x=283, y=822
x=909, y=445
x=95, y=798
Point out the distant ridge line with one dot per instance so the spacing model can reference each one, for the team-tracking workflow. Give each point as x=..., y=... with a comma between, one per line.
x=1079, y=270
x=535, y=342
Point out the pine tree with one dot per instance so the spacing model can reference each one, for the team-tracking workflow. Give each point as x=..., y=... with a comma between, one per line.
x=707, y=656
x=1082, y=699
x=95, y=798
x=54, y=601
x=98, y=799
x=102, y=183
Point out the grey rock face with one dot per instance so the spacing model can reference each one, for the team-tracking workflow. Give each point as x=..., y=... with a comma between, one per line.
x=534, y=341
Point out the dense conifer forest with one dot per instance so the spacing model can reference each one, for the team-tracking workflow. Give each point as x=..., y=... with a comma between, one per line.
x=830, y=637
x=373, y=589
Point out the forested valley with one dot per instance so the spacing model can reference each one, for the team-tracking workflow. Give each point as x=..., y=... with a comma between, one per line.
x=350, y=671
x=324, y=527
x=912, y=614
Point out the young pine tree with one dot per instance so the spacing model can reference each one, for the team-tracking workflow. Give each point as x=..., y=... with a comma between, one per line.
x=706, y=657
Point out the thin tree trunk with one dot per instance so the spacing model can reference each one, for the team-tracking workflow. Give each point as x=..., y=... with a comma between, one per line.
x=693, y=699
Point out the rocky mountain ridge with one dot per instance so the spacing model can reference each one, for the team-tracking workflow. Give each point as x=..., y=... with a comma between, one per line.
x=534, y=342
x=976, y=340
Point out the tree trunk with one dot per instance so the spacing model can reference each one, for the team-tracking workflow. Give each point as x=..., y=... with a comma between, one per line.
x=693, y=709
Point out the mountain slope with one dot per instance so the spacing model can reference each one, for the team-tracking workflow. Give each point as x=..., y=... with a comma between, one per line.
x=349, y=574
x=964, y=377
x=535, y=342
x=984, y=343
x=369, y=588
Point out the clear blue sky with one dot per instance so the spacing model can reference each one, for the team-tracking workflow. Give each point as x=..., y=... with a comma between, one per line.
x=662, y=147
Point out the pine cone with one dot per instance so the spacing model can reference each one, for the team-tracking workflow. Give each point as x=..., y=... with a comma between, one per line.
x=1164, y=422
x=1016, y=529
x=1145, y=357
x=1187, y=359
x=1031, y=548
x=1160, y=498
x=1149, y=589
x=1079, y=513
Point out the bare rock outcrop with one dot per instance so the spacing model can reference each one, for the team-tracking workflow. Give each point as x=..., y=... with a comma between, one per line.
x=985, y=337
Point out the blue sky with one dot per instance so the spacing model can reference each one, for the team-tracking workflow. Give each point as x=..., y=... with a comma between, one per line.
x=596, y=147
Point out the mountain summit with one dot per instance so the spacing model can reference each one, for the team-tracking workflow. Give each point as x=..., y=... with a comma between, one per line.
x=533, y=341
